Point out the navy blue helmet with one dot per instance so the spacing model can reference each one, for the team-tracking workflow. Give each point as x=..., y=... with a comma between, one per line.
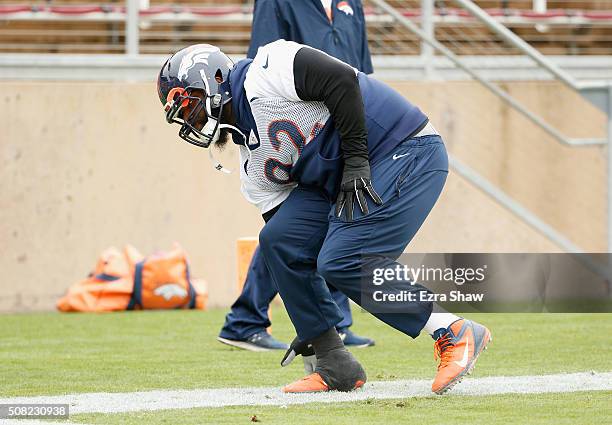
x=203, y=68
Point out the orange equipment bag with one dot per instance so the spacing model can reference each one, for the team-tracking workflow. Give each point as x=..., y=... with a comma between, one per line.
x=130, y=281
x=162, y=281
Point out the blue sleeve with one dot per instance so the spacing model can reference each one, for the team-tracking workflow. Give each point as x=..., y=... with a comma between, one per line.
x=268, y=25
x=365, y=58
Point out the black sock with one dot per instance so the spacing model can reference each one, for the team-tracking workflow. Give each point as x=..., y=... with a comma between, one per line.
x=335, y=364
x=326, y=342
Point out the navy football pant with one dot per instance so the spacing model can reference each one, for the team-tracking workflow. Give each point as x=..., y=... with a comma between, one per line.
x=304, y=245
x=249, y=313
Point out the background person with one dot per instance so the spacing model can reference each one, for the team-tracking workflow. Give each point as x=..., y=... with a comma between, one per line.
x=337, y=28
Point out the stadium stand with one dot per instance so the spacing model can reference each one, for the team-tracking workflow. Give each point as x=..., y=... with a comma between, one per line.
x=564, y=27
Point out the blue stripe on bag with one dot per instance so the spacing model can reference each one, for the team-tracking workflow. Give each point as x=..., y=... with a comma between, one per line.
x=107, y=277
x=136, y=299
x=192, y=293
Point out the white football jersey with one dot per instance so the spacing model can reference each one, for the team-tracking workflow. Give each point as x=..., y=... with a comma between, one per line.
x=285, y=125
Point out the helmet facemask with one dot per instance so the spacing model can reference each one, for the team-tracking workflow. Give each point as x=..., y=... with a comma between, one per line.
x=193, y=85
x=179, y=98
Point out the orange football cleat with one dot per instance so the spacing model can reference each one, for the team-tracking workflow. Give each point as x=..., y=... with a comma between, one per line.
x=313, y=383
x=458, y=349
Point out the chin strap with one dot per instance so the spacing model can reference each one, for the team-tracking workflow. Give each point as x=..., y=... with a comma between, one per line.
x=216, y=164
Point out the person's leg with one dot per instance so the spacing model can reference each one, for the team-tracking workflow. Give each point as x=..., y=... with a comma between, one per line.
x=343, y=304
x=349, y=338
x=290, y=243
x=248, y=316
x=352, y=252
x=249, y=312
x=409, y=186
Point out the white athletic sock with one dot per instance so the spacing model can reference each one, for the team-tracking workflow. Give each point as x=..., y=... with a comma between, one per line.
x=439, y=320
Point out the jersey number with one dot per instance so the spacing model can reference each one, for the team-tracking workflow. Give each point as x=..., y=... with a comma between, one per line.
x=296, y=137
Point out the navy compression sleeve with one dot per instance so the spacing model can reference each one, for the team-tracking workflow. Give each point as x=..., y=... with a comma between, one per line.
x=320, y=77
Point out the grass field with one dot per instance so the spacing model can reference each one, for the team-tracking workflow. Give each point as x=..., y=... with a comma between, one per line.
x=52, y=354
x=560, y=409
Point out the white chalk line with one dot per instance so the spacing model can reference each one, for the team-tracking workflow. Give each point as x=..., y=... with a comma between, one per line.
x=272, y=396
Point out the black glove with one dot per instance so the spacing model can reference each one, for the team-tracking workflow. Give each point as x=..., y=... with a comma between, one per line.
x=296, y=348
x=306, y=350
x=355, y=184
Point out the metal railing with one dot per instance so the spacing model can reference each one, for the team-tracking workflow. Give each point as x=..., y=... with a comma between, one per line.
x=596, y=92
x=426, y=34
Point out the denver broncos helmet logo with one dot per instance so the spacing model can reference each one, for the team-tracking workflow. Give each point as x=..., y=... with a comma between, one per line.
x=346, y=8
x=197, y=54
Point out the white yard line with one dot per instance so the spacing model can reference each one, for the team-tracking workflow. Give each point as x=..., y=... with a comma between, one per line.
x=272, y=396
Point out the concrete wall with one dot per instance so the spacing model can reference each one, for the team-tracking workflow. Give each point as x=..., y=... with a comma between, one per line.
x=84, y=166
x=565, y=186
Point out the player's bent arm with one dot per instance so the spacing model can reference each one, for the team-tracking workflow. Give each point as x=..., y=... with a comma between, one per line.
x=320, y=77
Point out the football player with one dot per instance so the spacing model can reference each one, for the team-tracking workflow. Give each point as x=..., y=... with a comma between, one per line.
x=344, y=170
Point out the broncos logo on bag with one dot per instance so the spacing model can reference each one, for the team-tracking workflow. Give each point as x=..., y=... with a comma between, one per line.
x=170, y=290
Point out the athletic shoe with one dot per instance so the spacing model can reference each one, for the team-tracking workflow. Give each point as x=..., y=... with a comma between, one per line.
x=313, y=383
x=337, y=370
x=260, y=341
x=457, y=348
x=352, y=340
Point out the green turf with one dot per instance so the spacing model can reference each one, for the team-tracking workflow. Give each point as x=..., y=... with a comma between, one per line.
x=559, y=409
x=44, y=354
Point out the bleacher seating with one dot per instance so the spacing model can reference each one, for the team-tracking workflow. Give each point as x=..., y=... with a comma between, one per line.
x=567, y=27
